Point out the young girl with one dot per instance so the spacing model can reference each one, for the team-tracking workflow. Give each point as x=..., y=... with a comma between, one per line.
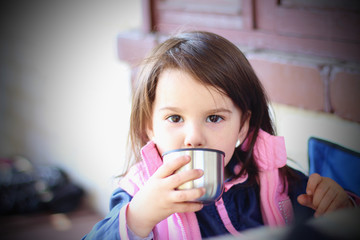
x=197, y=89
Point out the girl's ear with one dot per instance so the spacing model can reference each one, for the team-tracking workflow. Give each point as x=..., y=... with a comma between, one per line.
x=244, y=128
x=149, y=132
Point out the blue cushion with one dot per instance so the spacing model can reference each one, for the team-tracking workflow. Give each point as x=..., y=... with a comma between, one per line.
x=335, y=161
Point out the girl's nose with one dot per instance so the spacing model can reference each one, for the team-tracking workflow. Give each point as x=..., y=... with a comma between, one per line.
x=194, y=136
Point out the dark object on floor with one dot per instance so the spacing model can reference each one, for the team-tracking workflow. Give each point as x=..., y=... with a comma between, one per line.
x=27, y=188
x=44, y=226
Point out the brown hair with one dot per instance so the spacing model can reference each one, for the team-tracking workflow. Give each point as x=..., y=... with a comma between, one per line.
x=214, y=61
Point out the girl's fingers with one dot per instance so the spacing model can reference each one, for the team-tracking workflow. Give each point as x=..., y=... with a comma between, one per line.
x=169, y=167
x=313, y=182
x=306, y=200
x=179, y=178
x=334, y=204
x=321, y=195
x=188, y=207
x=322, y=202
x=187, y=195
x=339, y=200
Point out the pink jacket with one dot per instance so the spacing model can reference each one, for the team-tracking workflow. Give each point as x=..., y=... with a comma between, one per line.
x=269, y=153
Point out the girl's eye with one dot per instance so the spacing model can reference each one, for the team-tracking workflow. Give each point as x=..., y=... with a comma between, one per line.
x=214, y=118
x=175, y=119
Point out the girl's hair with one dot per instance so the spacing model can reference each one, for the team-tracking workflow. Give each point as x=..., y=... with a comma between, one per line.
x=213, y=61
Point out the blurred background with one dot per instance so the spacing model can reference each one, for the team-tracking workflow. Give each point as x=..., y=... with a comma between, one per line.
x=66, y=72
x=64, y=93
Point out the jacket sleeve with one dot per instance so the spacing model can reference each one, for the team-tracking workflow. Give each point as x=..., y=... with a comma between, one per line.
x=108, y=228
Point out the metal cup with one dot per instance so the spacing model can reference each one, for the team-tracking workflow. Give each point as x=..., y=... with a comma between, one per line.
x=211, y=161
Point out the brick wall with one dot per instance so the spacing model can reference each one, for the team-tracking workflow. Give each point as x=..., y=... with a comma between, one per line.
x=305, y=81
x=306, y=53
x=308, y=82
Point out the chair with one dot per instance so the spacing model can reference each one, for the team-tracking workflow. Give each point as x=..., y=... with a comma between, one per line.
x=336, y=162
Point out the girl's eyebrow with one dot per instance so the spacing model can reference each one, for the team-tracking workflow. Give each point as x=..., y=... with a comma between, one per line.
x=211, y=111
x=217, y=110
x=175, y=109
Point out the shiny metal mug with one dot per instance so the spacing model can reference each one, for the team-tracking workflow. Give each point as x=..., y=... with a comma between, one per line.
x=211, y=161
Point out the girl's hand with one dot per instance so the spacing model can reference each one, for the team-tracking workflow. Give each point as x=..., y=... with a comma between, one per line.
x=159, y=198
x=324, y=195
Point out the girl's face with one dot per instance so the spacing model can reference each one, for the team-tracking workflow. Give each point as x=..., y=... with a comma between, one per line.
x=188, y=114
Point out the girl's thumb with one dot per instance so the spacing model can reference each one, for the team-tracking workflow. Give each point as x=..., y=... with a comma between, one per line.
x=305, y=200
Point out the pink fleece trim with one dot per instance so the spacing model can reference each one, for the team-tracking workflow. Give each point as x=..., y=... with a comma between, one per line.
x=228, y=185
x=270, y=155
x=186, y=222
x=270, y=211
x=269, y=151
x=225, y=217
